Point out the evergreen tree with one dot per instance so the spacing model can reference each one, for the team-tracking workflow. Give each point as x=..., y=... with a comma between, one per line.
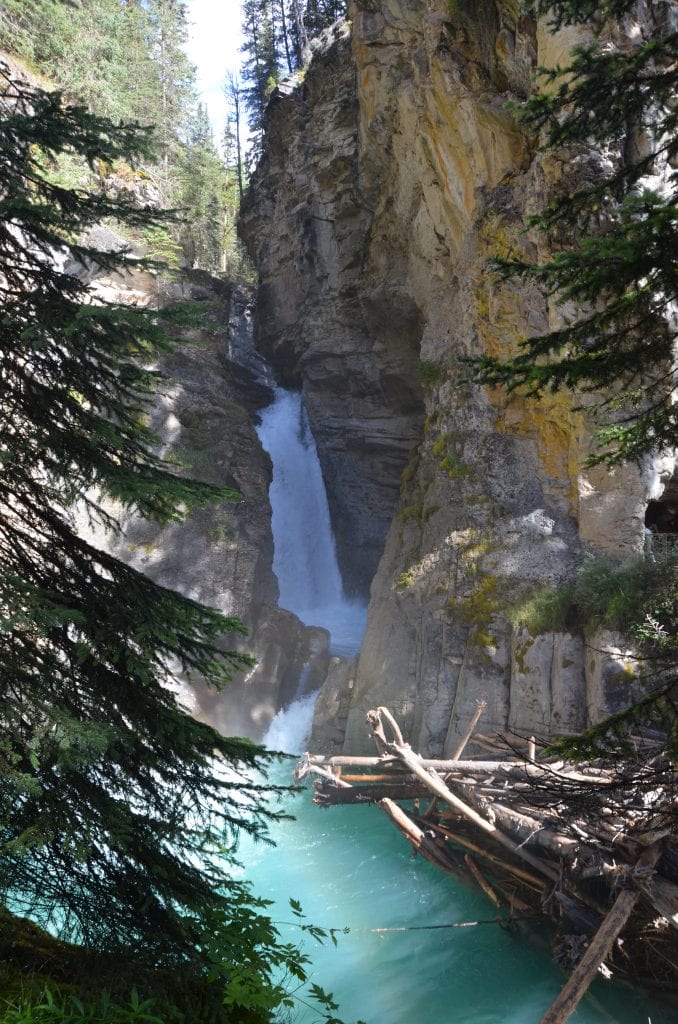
x=617, y=245
x=98, y=50
x=175, y=76
x=260, y=69
x=202, y=197
x=615, y=256
x=233, y=154
x=118, y=811
x=277, y=35
x=320, y=14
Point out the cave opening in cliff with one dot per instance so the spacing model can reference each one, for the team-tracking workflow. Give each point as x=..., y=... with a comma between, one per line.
x=661, y=525
x=661, y=515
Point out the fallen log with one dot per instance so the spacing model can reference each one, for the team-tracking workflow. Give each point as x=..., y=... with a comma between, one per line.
x=327, y=795
x=439, y=788
x=588, y=829
x=519, y=873
x=481, y=880
x=599, y=948
x=421, y=842
x=663, y=896
x=477, y=768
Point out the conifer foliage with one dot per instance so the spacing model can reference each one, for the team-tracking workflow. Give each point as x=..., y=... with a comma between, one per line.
x=117, y=809
x=613, y=228
x=126, y=59
x=277, y=35
x=612, y=231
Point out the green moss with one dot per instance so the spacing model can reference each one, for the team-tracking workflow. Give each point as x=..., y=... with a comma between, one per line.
x=430, y=373
x=218, y=533
x=406, y=579
x=410, y=512
x=430, y=511
x=601, y=594
x=478, y=547
x=521, y=651
x=478, y=609
x=409, y=473
x=146, y=549
x=447, y=449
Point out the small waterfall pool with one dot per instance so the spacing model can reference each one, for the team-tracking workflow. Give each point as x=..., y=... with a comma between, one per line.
x=349, y=867
x=400, y=963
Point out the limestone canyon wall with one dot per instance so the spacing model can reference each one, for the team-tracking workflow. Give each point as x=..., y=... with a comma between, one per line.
x=392, y=172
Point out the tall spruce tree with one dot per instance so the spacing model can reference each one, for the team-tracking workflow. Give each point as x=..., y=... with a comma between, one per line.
x=201, y=196
x=276, y=42
x=118, y=812
x=261, y=66
x=233, y=149
x=175, y=76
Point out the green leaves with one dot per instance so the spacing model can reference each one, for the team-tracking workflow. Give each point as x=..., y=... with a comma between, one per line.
x=54, y=1009
x=118, y=811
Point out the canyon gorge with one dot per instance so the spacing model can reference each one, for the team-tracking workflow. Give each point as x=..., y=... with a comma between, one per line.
x=393, y=171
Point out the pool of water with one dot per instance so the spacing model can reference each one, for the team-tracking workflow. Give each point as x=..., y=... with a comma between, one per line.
x=351, y=868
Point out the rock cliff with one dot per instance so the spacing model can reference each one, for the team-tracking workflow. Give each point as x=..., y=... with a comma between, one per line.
x=221, y=556
x=392, y=172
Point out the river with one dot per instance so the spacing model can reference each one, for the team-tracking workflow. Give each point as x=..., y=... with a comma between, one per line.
x=401, y=961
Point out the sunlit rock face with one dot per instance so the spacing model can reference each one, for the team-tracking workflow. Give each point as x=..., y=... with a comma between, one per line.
x=325, y=318
x=392, y=173
x=221, y=556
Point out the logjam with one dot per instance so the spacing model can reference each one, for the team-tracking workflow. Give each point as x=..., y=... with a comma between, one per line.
x=594, y=849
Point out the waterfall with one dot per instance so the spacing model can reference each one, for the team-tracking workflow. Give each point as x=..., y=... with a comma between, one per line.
x=351, y=869
x=304, y=558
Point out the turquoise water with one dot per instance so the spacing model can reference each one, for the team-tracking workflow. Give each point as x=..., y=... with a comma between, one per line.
x=350, y=867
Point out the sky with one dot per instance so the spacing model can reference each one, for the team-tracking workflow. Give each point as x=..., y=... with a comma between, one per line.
x=214, y=47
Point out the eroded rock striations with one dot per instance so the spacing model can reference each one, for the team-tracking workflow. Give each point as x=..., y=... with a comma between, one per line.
x=392, y=172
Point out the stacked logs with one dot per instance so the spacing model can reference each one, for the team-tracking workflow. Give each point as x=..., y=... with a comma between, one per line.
x=593, y=848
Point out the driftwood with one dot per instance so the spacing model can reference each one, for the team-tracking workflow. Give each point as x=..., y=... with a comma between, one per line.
x=599, y=947
x=421, y=842
x=430, y=778
x=592, y=847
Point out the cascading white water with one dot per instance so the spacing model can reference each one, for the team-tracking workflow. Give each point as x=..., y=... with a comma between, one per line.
x=304, y=559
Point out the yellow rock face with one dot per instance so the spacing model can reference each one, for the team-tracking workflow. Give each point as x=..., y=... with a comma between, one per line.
x=385, y=255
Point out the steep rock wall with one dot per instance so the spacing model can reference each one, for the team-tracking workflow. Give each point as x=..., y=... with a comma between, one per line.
x=323, y=319
x=391, y=175
x=221, y=555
